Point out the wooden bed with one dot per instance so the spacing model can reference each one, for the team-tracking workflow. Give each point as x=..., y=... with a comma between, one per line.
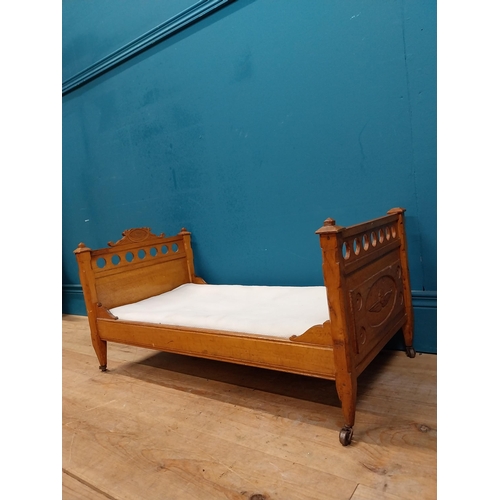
x=367, y=293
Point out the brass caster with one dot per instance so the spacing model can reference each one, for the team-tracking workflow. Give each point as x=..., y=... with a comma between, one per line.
x=410, y=352
x=345, y=435
x=103, y=368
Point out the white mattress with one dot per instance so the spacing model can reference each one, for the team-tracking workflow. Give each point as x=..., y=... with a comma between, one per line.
x=274, y=311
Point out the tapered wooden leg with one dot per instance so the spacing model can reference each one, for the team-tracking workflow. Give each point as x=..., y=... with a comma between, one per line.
x=101, y=349
x=347, y=388
x=408, y=336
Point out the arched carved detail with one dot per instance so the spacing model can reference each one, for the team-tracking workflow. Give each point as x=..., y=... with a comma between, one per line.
x=136, y=235
x=317, y=334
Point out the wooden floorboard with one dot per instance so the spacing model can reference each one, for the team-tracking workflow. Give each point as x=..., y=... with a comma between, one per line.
x=75, y=488
x=164, y=426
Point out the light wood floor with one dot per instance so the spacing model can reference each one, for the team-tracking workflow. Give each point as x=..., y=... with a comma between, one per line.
x=163, y=426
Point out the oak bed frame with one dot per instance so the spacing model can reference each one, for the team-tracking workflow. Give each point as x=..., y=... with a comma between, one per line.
x=366, y=275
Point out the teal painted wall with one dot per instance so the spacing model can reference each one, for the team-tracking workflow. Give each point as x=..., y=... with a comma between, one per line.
x=250, y=127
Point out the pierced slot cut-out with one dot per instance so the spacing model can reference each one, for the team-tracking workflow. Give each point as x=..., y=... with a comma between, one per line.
x=365, y=242
x=356, y=246
x=346, y=251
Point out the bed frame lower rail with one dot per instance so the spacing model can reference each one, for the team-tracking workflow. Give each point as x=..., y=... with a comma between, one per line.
x=251, y=350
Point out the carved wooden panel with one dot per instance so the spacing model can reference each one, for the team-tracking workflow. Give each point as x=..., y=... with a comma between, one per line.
x=377, y=303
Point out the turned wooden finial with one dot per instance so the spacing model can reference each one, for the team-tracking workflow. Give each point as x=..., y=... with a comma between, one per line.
x=396, y=210
x=81, y=248
x=184, y=231
x=329, y=226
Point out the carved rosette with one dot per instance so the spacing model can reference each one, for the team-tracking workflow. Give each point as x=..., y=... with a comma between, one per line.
x=380, y=300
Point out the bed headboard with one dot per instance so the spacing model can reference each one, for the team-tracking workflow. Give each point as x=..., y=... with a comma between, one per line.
x=366, y=272
x=139, y=265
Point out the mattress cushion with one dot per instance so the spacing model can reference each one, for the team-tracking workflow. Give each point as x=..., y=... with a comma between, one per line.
x=274, y=311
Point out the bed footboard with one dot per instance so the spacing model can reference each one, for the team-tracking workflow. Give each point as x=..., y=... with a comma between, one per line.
x=365, y=270
x=139, y=265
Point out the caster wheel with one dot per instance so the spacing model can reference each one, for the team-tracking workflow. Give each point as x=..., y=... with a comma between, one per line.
x=345, y=435
x=410, y=352
x=103, y=368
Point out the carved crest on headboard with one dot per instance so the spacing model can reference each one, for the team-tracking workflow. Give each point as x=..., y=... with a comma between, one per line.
x=136, y=235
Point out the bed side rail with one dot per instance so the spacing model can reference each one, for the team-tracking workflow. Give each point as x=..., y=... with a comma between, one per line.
x=139, y=265
x=365, y=270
